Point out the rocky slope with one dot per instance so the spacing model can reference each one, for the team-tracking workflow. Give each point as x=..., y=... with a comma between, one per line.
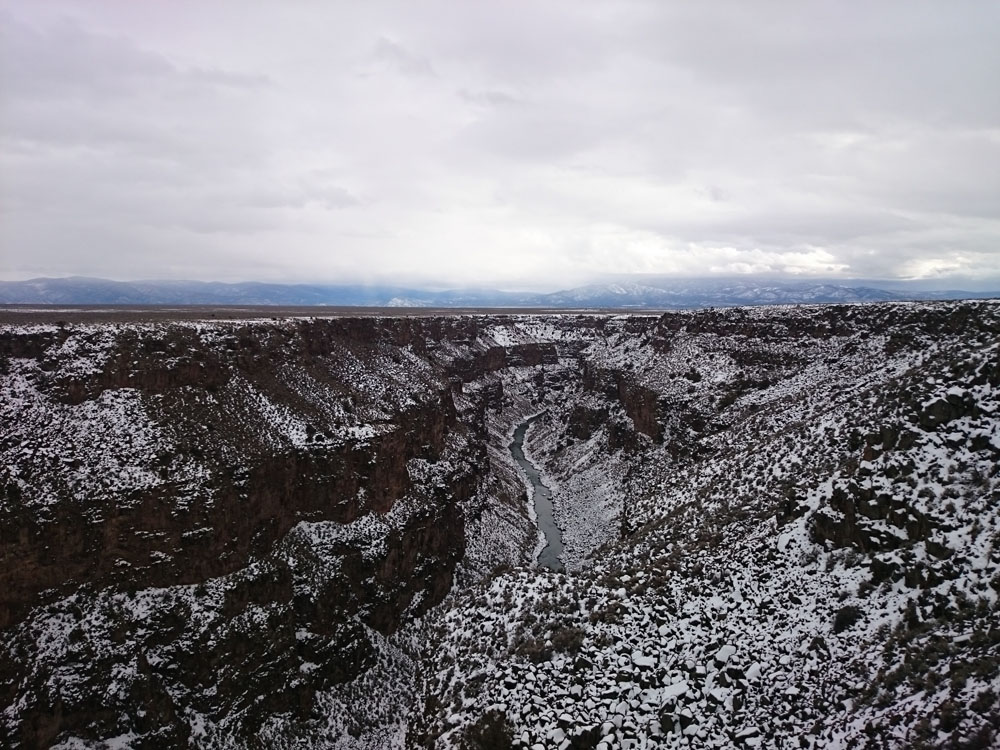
x=780, y=528
x=807, y=553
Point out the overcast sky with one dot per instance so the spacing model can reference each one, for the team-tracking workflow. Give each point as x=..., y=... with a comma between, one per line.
x=509, y=144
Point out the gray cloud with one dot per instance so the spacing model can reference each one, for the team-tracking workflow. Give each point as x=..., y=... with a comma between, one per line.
x=396, y=57
x=503, y=143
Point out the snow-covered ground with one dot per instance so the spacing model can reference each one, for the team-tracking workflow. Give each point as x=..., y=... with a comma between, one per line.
x=805, y=552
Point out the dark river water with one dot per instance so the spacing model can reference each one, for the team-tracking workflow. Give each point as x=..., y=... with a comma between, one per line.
x=549, y=556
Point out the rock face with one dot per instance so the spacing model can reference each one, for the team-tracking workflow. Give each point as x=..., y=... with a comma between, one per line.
x=241, y=507
x=191, y=459
x=639, y=402
x=296, y=533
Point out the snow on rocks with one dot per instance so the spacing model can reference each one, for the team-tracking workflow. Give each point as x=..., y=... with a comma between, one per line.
x=781, y=524
x=672, y=648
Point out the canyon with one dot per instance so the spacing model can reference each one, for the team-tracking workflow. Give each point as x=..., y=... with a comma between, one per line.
x=780, y=527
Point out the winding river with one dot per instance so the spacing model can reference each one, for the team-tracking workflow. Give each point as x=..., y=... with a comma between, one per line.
x=549, y=556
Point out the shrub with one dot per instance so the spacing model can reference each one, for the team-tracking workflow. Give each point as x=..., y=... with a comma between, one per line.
x=567, y=638
x=535, y=650
x=490, y=732
x=846, y=616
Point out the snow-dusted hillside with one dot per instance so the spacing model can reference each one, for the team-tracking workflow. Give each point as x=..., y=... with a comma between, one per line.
x=781, y=529
x=807, y=556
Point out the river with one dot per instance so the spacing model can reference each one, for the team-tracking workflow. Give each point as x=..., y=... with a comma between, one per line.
x=549, y=556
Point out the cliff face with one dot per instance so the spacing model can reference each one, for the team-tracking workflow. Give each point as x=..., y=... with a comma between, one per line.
x=206, y=461
x=640, y=403
x=146, y=539
x=248, y=494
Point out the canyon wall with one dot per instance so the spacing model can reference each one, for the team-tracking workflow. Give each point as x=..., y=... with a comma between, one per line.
x=222, y=533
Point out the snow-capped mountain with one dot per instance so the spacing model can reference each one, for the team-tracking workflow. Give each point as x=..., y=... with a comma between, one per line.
x=611, y=295
x=692, y=295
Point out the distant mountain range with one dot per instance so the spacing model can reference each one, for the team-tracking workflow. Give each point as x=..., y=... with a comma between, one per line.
x=676, y=294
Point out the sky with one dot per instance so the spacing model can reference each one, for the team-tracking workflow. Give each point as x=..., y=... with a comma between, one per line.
x=517, y=144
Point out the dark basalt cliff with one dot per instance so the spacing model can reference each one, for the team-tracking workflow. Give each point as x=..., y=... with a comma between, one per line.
x=242, y=507
x=640, y=403
x=218, y=497
x=145, y=539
